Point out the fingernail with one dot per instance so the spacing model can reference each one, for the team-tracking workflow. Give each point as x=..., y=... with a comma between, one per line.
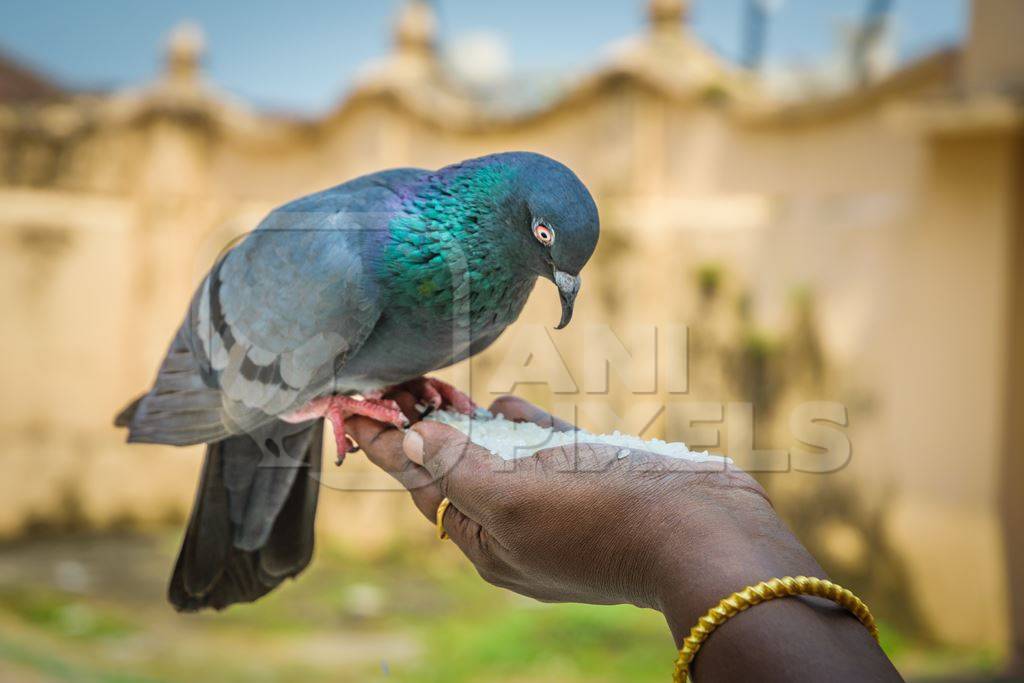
x=412, y=444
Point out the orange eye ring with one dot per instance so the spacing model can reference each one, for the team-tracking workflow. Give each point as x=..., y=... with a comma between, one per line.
x=544, y=234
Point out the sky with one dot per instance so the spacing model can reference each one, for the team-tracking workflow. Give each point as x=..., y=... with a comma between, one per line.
x=301, y=60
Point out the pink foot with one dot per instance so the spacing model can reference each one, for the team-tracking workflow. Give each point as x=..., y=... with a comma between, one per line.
x=337, y=409
x=436, y=394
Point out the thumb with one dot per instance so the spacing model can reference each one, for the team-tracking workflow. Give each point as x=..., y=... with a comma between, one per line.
x=462, y=470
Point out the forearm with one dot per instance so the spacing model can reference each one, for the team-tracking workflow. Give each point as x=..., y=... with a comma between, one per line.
x=785, y=639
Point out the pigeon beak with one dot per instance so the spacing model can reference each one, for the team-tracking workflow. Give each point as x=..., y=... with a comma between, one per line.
x=568, y=288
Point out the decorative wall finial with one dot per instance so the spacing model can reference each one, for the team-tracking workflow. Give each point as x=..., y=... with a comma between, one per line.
x=667, y=14
x=416, y=28
x=186, y=46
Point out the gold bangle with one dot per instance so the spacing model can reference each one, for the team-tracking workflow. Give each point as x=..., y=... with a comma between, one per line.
x=439, y=519
x=762, y=592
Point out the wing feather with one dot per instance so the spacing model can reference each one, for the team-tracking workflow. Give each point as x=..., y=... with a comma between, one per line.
x=275, y=318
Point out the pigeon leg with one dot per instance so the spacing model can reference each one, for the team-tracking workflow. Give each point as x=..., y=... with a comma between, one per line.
x=423, y=391
x=458, y=400
x=337, y=409
x=342, y=441
x=435, y=394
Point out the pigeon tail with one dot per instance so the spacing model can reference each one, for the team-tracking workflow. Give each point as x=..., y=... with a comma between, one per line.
x=252, y=522
x=124, y=418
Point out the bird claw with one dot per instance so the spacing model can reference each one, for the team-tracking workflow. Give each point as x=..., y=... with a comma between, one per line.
x=435, y=394
x=351, y=447
x=337, y=409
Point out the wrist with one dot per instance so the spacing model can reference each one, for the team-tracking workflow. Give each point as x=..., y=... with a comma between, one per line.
x=735, y=539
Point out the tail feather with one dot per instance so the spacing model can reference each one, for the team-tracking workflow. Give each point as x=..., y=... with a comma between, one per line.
x=180, y=409
x=252, y=522
x=124, y=418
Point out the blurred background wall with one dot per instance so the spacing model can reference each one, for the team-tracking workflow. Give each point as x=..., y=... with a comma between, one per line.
x=861, y=245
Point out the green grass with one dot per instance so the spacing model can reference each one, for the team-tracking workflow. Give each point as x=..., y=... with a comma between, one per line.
x=556, y=643
x=420, y=608
x=63, y=614
x=417, y=612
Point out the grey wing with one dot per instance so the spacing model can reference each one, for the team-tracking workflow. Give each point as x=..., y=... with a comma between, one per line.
x=283, y=312
x=270, y=324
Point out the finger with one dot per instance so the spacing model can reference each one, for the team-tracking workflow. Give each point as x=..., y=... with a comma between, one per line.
x=474, y=542
x=519, y=410
x=486, y=554
x=383, y=446
x=462, y=470
x=426, y=496
x=381, y=442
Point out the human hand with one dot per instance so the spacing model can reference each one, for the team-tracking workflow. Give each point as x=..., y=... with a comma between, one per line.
x=579, y=524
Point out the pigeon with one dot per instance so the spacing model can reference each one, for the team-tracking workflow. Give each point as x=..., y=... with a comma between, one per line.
x=335, y=300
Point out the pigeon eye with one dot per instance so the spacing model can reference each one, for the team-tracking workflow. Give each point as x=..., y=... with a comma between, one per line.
x=544, y=234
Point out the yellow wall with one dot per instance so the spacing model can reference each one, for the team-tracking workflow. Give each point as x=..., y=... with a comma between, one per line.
x=899, y=232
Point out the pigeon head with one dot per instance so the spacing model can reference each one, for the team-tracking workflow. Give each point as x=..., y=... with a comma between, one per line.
x=510, y=217
x=555, y=222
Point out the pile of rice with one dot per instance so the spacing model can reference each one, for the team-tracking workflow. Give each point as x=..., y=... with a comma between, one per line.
x=511, y=440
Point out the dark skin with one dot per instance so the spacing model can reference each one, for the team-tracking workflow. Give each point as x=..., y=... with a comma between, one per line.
x=583, y=525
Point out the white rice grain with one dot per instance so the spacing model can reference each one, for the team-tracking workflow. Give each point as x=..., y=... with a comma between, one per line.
x=510, y=440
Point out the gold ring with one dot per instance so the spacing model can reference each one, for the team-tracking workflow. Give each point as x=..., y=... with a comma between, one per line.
x=441, y=509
